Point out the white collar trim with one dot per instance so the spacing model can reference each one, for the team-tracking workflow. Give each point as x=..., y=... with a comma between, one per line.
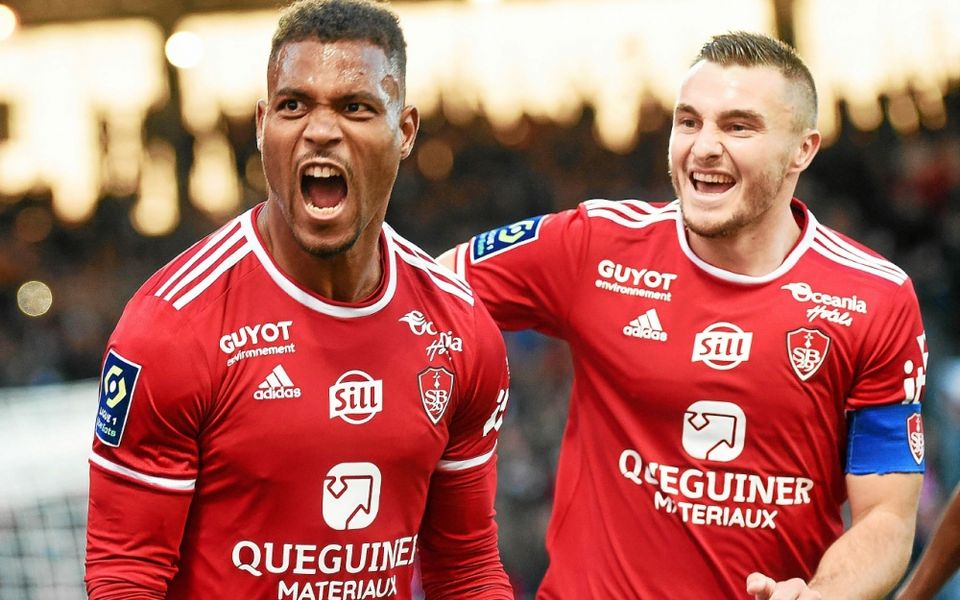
x=247, y=223
x=806, y=239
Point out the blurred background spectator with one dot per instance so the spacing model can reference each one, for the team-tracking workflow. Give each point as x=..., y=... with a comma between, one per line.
x=126, y=133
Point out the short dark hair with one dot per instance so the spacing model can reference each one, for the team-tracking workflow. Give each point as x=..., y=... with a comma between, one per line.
x=756, y=50
x=334, y=20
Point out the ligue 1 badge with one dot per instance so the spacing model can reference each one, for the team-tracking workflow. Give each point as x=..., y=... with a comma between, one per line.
x=436, y=388
x=117, y=384
x=807, y=349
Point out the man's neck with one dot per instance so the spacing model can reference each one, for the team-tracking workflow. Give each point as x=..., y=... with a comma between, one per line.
x=754, y=251
x=349, y=277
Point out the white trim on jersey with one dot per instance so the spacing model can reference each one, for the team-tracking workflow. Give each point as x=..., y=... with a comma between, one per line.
x=214, y=240
x=207, y=281
x=833, y=247
x=444, y=279
x=632, y=214
x=462, y=465
x=309, y=300
x=638, y=208
x=203, y=267
x=788, y=263
x=181, y=485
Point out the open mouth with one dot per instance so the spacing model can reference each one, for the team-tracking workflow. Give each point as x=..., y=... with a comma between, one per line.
x=323, y=187
x=712, y=183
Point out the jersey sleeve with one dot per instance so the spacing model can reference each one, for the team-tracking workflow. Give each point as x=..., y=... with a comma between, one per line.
x=524, y=272
x=144, y=461
x=885, y=429
x=458, y=537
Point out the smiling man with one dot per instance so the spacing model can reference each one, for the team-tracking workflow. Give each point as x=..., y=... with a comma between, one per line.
x=740, y=370
x=303, y=404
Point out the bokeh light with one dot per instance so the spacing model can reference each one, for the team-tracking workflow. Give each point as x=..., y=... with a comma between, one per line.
x=8, y=22
x=184, y=49
x=34, y=298
x=33, y=224
x=435, y=159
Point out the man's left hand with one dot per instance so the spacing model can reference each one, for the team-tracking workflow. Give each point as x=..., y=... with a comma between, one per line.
x=766, y=588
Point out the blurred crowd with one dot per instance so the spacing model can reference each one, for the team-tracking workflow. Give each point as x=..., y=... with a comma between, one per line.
x=898, y=194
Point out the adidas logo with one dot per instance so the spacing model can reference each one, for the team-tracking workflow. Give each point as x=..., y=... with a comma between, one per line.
x=277, y=385
x=646, y=327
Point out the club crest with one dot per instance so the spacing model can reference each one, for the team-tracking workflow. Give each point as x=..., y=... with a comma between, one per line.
x=807, y=349
x=915, y=436
x=436, y=388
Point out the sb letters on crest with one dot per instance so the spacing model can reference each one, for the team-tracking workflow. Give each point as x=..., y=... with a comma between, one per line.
x=807, y=349
x=436, y=389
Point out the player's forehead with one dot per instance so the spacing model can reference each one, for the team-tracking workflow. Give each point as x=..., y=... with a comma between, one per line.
x=347, y=65
x=712, y=88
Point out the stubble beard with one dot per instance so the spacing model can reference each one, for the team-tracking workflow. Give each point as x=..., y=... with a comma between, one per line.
x=325, y=251
x=757, y=200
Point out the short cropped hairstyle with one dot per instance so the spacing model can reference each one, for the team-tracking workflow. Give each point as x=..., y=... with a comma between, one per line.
x=755, y=50
x=335, y=20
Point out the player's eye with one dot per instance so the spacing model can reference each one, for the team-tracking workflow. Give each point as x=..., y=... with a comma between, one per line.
x=356, y=107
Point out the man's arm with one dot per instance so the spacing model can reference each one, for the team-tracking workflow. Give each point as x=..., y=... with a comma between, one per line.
x=869, y=558
x=133, y=537
x=458, y=539
x=143, y=462
x=941, y=557
x=523, y=272
x=459, y=553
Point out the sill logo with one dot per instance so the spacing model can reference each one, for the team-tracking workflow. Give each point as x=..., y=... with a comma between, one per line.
x=722, y=346
x=714, y=430
x=351, y=495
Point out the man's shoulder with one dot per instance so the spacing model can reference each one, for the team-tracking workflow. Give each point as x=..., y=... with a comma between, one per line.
x=615, y=223
x=852, y=262
x=630, y=214
x=427, y=278
x=196, y=279
x=201, y=271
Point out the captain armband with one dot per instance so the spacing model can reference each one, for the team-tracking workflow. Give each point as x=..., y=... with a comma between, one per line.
x=885, y=439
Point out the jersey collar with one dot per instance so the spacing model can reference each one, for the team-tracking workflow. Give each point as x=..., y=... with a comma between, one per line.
x=806, y=238
x=311, y=300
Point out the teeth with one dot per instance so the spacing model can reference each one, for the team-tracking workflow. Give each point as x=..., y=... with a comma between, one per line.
x=712, y=178
x=321, y=171
x=323, y=211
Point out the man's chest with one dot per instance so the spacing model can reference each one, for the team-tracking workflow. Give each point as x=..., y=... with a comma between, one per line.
x=313, y=392
x=666, y=333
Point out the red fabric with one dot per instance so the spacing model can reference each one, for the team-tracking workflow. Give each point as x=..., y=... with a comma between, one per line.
x=281, y=446
x=706, y=432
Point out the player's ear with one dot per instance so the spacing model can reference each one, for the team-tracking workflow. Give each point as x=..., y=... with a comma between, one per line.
x=809, y=146
x=261, y=111
x=409, y=125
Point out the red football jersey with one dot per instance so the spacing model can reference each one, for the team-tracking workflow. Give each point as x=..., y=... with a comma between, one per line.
x=254, y=440
x=707, y=434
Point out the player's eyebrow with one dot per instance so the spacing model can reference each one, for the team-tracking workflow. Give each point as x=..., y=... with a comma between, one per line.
x=742, y=114
x=290, y=92
x=727, y=115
